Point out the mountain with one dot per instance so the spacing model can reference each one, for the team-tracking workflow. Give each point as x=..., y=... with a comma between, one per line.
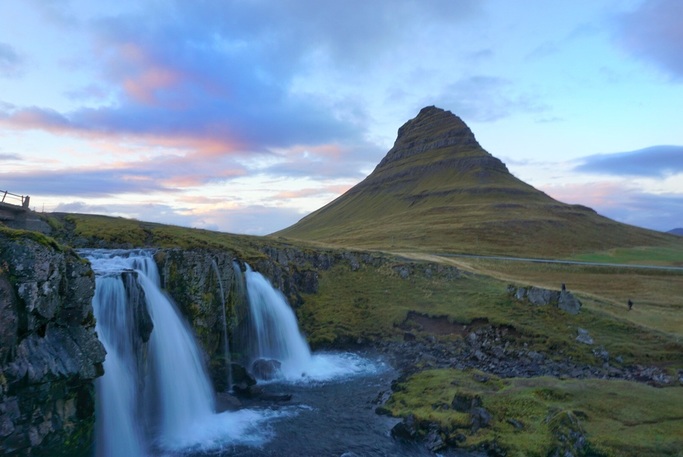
x=438, y=190
x=676, y=231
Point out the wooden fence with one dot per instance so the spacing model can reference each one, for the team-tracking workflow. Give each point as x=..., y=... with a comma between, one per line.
x=9, y=198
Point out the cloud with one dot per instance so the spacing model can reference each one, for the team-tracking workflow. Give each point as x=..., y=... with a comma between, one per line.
x=11, y=64
x=252, y=220
x=654, y=32
x=483, y=98
x=145, y=212
x=655, y=161
x=326, y=161
x=226, y=71
x=85, y=183
x=159, y=174
x=624, y=203
x=8, y=157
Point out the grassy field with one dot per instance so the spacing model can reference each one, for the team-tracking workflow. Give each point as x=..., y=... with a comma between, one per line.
x=371, y=303
x=530, y=415
x=671, y=255
x=657, y=294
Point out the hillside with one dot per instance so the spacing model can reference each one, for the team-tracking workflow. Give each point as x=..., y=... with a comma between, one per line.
x=438, y=190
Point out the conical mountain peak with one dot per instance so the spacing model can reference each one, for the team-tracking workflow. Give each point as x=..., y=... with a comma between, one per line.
x=432, y=128
x=438, y=190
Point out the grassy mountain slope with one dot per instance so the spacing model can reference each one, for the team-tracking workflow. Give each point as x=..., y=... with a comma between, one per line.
x=437, y=190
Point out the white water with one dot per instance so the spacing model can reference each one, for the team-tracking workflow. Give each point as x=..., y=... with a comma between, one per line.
x=181, y=389
x=116, y=391
x=275, y=328
x=160, y=400
x=277, y=336
x=163, y=401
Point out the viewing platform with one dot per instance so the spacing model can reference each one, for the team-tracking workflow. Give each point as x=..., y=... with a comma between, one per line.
x=16, y=213
x=12, y=205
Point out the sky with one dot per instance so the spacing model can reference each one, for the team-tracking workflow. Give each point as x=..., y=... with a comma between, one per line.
x=243, y=116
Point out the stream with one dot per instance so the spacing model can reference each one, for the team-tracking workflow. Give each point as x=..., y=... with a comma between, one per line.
x=335, y=417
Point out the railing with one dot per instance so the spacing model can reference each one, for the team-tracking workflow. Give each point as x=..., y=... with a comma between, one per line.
x=10, y=199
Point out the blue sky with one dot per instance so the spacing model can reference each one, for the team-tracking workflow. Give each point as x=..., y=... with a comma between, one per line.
x=245, y=115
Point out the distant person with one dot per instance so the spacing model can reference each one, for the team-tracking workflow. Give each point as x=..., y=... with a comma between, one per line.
x=630, y=304
x=564, y=287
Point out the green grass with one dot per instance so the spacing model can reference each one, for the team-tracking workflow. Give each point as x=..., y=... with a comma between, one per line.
x=657, y=294
x=643, y=255
x=372, y=303
x=619, y=418
x=28, y=234
x=461, y=200
x=85, y=230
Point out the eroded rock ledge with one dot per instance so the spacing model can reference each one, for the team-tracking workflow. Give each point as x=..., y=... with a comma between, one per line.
x=49, y=352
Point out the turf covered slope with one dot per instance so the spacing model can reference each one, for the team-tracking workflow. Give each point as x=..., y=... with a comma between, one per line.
x=438, y=190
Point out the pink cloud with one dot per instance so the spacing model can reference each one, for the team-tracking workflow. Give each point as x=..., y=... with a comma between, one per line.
x=312, y=192
x=143, y=87
x=604, y=194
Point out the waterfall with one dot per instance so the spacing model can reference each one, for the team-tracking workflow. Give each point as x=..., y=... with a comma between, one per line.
x=226, y=340
x=154, y=397
x=275, y=329
x=117, y=416
x=177, y=392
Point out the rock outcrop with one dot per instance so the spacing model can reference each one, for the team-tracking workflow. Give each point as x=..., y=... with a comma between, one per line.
x=562, y=299
x=49, y=352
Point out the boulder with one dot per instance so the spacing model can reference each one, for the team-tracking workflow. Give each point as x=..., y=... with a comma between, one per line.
x=567, y=302
x=540, y=297
x=480, y=418
x=406, y=430
x=266, y=369
x=584, y=337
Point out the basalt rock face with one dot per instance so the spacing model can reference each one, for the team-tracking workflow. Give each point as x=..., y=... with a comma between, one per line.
x=205, y=282
x=431, y=130
x=49, y=352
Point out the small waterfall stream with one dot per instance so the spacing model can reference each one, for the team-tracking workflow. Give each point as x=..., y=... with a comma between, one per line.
x=226, y=337
x=274, y=327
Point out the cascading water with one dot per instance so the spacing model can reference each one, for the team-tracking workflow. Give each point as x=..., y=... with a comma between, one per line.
x=177, y=392
x=275, y=329
x=226, y=339
x=154, y=395
x=117, y=414
x=155, y=398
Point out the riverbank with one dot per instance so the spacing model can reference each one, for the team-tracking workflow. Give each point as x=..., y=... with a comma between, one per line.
x=485, y=391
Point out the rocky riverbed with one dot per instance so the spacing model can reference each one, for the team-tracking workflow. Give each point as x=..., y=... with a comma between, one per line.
x=494, y=350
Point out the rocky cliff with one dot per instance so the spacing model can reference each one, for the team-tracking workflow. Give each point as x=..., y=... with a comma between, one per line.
x=49, y=352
